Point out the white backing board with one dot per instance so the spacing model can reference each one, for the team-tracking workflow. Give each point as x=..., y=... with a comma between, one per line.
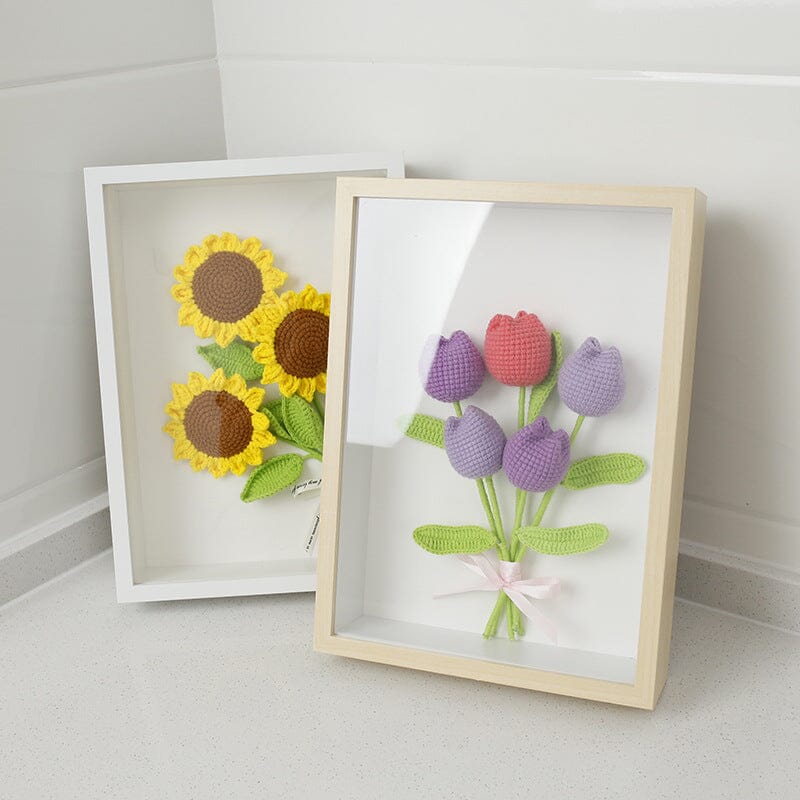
x=178, y=533
x=428, y=267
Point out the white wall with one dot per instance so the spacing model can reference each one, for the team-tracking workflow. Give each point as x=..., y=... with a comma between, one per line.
x=620, y=91
x=81, y=83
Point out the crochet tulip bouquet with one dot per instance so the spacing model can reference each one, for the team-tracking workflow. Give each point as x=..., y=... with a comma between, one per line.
x=537, y=460
x=222, y=422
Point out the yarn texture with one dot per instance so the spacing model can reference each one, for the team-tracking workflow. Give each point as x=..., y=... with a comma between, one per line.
x=425, y=428
x=222, y=286
x=451, y=539
x=592, y=381
x=564, y=541
x=536, y=457
x=235, y=359
x=474, y=443
x=216, y=424
x=292, y=337
x=602, y=470
x=273, y=476
x=518, y=349
x=452, y=369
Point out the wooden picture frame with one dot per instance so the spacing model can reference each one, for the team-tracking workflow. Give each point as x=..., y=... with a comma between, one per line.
x=668, y=224
x=170, y=540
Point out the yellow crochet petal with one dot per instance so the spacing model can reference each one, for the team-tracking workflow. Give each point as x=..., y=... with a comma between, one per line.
x=288, y=385
x=218, y=466
x=228, y=241
x=235, y=385
x=183, y=449
x=253, y=398
x=251, y=247
x=260, y=423
x=225, y=334
x=211, y=243
x=187, y=314
x=194, y=257
x=237, y=463
x=271, y=372
x=322, y=382
x=247, y=327
x=273, y=278
x=181, y=394
x=263, y=258
x=253, y=455
x=203, y=326
x=174, y=428
x=196, y=383
x=183, y=273
x=217, y=380
x=308, y=295
x=199, y=461
x=175, y=410
x=306, y=389
x=182, y=293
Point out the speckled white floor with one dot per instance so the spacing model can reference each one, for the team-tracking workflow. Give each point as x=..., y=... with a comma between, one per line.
x=225, y=699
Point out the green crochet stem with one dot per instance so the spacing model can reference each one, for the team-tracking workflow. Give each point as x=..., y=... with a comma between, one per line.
x=522, y=499
x=548, y=495
x=503, y=550
x=318, y=405
x=522, y=496
x=492, y=509
x=311, y=453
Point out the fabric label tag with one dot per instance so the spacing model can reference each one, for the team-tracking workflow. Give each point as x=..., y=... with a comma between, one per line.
x=306, y=486
x=311, y=539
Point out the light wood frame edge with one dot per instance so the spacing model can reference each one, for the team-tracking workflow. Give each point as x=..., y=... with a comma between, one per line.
x=680, y=322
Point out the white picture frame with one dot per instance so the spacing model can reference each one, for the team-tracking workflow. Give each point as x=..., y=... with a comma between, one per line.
x=141, y=218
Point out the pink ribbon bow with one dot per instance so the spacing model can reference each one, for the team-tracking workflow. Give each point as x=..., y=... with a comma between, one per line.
x=507, y=577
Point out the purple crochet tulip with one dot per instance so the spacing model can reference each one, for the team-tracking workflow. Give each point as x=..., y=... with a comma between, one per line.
x=536, y=458
x=474, y=443
x=591, y=381
x=451, y=369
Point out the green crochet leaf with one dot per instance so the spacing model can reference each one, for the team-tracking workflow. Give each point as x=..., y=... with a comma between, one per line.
x=235, y=359
x=275, y=422
x=272, y=476
x=426, y=429
x=303, y=423
x=563, y=541
x=602, y=470
x=540, y=393
x=450, y=539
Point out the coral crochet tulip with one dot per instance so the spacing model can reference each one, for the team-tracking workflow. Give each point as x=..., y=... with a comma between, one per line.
x=474, y=443
x=536, y=457
x=591, y=381
x=451, y=369
x=518, y=349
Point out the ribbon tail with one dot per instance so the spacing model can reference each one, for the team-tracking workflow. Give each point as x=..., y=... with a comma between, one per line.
x=482, y=587
x=529, y=610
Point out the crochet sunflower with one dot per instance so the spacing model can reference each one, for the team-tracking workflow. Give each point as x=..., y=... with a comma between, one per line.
x=293, y=342
x=216, y=424
x=223, y=284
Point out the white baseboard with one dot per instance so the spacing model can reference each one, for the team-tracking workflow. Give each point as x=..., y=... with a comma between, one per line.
x=710, y=571
x=33, y=515
x=748, y=542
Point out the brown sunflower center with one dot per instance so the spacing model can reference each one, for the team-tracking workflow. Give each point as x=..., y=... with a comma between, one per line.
x=218, y=424
x=301, y=343
x=227, y=286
